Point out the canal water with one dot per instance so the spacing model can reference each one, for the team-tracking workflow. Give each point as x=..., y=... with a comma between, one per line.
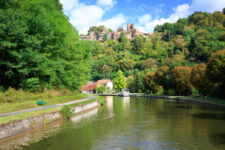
x=131, y=124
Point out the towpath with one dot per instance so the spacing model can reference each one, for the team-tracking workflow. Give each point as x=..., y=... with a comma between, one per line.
x=45, y=107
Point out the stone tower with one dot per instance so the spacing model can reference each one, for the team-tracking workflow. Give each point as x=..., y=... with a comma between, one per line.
x=130, y=27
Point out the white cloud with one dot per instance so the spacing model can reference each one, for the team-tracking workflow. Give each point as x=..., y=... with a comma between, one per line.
x=140, y=28
x=83, y=16
x=145, y=18
x=162, y=5
x=207, y=5
x=69, y=4
x=86, y=15
x=114, y=22
x=179, y=12
x=184, y=10
x=106, y=3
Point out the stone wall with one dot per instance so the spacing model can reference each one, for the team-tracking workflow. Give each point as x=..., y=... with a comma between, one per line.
x=16, y=127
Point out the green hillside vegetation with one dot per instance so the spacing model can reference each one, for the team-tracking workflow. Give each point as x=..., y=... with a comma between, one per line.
x=165, y=60
x=39, y=48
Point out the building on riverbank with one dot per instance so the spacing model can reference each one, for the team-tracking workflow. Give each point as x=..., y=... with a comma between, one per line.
x=90, y=88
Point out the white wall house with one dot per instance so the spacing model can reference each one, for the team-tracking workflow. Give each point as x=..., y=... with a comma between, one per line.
x=106, y=82
x=90, y=88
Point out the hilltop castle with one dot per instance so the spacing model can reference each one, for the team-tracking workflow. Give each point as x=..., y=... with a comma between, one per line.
x=130, y=33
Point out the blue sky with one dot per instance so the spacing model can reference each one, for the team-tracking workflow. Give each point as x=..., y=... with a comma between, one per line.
x=145, y=14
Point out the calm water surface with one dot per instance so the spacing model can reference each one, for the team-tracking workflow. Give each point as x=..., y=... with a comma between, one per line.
x=132, y=124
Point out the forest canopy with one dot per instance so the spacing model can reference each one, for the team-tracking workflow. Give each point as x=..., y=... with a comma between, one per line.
x=39, y=48
x=166, y=58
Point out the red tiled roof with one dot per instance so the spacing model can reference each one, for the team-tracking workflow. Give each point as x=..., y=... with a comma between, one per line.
x=103, y=81
x=89, y=87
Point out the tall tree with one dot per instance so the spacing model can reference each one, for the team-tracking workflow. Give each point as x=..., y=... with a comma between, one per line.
x=150, y=84
x=199, y=48
x=199, y=79
x=181, y=79
x=162, y=78
x=119, y=81
x=216, y=70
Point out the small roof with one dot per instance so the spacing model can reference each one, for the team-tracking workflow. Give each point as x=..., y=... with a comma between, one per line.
x=89, y=87
x=103, y=81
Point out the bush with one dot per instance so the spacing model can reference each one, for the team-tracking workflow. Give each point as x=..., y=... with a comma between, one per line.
x=32, y=85
x=101, y=89
x=66, y=112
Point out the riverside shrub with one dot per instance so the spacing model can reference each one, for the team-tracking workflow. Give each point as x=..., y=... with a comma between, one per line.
x=66, y=112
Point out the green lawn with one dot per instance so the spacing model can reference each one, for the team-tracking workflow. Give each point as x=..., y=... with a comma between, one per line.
x=11, y=107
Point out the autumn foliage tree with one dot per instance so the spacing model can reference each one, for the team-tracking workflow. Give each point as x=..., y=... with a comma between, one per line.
x=149, y=63
x=161, y=78
x=216, y=70
x=199, y=79
x=150, y=84
x=180, y=77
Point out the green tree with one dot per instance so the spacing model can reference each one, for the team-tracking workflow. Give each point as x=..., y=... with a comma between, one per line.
x=40, y=48
x=101, y=89
x=119, y=81
x=131, y=84
x=138, y=81
x=155, y=41
x=199, y=48
x=121, y=38
x=138, y=44
x=105, y=37
x=106, y=71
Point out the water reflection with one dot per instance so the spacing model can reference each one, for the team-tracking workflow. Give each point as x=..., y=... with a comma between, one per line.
x=31, y=136
x=85, y=115
x=126, y=102
x=220, y=116
x=109, y=103
x=218, y=139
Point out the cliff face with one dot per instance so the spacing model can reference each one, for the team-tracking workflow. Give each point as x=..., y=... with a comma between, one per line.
x=130, y=33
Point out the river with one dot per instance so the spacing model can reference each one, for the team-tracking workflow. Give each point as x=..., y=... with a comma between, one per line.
x=131, y=124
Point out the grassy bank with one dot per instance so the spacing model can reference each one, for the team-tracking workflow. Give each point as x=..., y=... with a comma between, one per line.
x=14, y=100
x=8, y=119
